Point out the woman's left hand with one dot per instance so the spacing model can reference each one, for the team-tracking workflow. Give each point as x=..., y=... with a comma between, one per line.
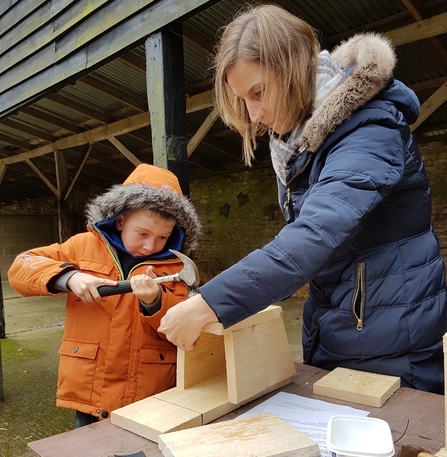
x=183, y=323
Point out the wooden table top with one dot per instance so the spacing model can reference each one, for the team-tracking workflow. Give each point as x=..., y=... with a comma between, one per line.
x=416, y=419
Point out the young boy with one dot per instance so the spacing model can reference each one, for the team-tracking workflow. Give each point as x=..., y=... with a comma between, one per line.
x=111, y=354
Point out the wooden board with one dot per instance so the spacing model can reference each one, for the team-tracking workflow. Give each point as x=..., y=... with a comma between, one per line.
x=371, y=389
x=150, y=417
x=229, y=367
x=257, y=357
x=262, y=435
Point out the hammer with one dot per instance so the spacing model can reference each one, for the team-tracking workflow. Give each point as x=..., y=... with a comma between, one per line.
x=189, y=274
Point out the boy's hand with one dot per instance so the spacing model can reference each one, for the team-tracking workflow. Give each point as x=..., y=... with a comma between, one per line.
x=144, y=286
x=85, y=286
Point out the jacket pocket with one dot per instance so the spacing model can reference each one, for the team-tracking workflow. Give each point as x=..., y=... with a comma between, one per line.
x=359, y=298
x=96, y=267
x=157, y=370
x=77, y=369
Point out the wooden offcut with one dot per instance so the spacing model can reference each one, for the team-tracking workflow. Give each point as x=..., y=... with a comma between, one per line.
x=228, y=368
x=361, y=387
x=262, y=435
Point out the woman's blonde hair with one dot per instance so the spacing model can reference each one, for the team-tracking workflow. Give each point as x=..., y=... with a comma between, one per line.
x=286, y=48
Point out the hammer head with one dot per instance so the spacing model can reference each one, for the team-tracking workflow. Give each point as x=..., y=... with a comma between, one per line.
x=189, y=274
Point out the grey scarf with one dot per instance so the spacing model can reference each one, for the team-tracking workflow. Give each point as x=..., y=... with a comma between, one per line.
x=286, y=149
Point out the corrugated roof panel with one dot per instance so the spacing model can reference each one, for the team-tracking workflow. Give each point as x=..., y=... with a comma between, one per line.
x=92, y=98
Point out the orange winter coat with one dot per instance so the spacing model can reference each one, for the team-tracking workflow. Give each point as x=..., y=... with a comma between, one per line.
x=111, y=354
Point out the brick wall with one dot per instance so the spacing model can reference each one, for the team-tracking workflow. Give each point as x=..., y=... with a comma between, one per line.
x=239, y=213
x=21, y=232
x=435, y=160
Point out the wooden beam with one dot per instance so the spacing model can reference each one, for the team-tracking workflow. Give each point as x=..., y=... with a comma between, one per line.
x=2, y=171
x=124, y=151
x=431, y=105
x=66, y=192
x=28, y=155
x=416, y=9
x=104, y=132
x=193, y=104
x=436, y=25
x=202, y=131
x=167, y=105
x=64, y=216
x=42, y=176
x=429, y=84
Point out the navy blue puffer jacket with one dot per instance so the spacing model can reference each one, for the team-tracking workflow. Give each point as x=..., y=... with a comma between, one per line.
x=358, y=209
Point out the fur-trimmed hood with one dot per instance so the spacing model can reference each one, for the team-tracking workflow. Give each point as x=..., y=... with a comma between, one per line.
x=373, y=59
x=152, y=189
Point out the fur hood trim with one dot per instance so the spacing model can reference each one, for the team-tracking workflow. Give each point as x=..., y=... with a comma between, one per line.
x=152, y=189
x=374, y=60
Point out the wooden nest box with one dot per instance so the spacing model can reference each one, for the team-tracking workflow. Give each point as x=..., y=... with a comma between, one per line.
x=228, y=368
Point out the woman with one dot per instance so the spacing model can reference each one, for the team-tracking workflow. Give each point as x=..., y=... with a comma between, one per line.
x=354, y=193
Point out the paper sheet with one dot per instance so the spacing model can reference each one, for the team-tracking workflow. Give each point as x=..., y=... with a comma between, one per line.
x=307, y=415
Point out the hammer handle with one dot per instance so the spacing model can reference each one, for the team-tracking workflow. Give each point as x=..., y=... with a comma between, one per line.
x=124, y=287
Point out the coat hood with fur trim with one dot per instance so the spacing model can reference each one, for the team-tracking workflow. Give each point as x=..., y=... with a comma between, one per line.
x=152, y=189
x=374, y=60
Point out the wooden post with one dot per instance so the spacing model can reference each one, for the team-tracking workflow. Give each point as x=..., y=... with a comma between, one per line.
x=167, y=104
x=64, y=218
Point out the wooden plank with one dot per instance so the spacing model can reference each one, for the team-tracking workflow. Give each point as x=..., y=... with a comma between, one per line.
x=204, y=362
x=262, y=435
x=257, y=356
x=209, y=398
x=371, y=389
x=101, y=49
x=33, y=27
x=202, y=131
x=430, y=105
x=42, y=177
x=20, y=11
x=151, y=417
x=270, y=313
x=124, y=151
x=79, y=166
x=434, y=26
x=5, y=5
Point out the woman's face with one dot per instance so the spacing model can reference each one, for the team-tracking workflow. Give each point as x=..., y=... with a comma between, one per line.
x=248, y=82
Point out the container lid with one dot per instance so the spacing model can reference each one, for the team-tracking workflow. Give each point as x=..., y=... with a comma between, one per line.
x=356, y=436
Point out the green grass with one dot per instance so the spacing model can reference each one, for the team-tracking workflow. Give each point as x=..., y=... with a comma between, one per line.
x=29, y=411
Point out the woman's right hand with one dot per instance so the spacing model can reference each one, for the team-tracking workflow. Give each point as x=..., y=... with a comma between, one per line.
x=183, y=323
x=85, y=286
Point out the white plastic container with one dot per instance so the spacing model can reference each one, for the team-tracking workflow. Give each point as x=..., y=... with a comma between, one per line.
x=354, y=436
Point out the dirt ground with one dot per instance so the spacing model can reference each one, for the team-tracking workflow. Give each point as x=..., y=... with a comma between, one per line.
x=34, y=328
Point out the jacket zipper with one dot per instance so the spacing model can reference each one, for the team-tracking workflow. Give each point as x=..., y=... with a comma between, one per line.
x=359, y=297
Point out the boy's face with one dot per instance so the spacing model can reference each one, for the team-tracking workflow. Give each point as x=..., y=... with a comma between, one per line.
x=144, y=233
